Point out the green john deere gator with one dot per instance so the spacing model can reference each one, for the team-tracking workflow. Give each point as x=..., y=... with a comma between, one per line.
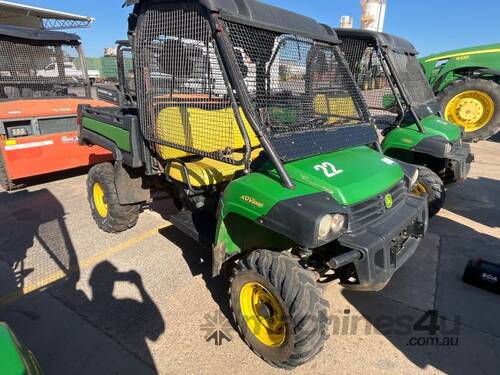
x=467, y=83
x=14, y=358
x=224, y=112
x=403, y=105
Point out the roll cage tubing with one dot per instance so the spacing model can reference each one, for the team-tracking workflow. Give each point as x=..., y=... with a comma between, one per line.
x=122, y=45
x=230, y=71
x=233, y=78
x=382, y=53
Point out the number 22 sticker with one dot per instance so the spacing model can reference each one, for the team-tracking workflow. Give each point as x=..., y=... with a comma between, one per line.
x=328, y=169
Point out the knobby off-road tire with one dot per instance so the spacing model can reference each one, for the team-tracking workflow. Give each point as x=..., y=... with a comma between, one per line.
x=305, y=314
x=491, y=89
x=430, y=183
x=108, y=213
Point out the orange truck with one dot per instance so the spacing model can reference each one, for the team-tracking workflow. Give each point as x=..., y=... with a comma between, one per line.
x=43, y=80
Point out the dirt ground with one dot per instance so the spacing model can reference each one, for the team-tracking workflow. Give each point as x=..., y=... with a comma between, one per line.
x=86, y=302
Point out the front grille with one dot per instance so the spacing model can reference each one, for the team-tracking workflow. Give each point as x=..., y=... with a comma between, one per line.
x=368, y=212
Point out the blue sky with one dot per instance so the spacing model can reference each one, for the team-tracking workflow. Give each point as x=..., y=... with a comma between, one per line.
x=433, y=26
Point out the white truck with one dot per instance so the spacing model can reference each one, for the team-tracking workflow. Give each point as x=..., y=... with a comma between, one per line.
x=70, y=70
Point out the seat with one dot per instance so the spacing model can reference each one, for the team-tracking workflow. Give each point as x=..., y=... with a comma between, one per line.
x=204, y=131
x=207, y=172
x=201, y=130
x=342, y=106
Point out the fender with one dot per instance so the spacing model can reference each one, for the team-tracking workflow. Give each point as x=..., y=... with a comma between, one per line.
x=434, y=146
x=129, y=185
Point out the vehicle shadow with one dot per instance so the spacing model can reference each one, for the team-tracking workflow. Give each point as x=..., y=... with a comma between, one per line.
x=476, y=199
x=51, y=177
x=465, y=318
x=30, y=218
x=40, y=299
x=199, y=261
x=128, y=321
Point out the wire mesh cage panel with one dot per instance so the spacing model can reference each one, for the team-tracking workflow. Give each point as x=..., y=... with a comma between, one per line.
x=369, y=74
x=302, y=90
x=128, y=71
x=39, y=69
x=182, y=95
x=412, y=78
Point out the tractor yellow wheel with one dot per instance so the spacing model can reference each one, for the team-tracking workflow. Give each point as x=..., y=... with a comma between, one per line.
x=262, y=314
x=472, y=110
x=99, y=200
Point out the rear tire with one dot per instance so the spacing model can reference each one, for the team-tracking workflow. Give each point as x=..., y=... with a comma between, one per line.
x=451, y=102
x=108, y=213
x=298, y=302
x=430, y=183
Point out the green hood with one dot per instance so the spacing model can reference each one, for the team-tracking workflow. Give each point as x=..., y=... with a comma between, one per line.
x=365, y=174
x=435, y=126
x=408, y=136
x=359, y=173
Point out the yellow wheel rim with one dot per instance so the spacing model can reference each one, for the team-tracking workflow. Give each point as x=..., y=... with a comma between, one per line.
x=472, y=110
x=419, y=190
x=99, y=201
x=262, y=314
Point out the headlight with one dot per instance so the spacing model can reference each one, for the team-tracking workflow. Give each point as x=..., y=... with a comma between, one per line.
x=330, y=224
x=448, y=148
x=325, y=226
x=338, y=222
x=414, y=178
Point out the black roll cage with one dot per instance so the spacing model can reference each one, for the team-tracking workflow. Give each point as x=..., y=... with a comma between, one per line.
x=384, y=43
x=215, y=13
x=24, y=35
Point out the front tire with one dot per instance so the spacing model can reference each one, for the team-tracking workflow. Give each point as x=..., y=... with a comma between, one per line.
x=474, y=105
x=108, y=213
x=430, y=183
x=279, y=308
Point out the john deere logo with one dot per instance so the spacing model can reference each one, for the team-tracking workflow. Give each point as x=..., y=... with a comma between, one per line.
x=388, y=201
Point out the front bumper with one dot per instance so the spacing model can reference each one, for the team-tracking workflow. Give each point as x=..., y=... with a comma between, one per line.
x=387, y=244
x=459, y=164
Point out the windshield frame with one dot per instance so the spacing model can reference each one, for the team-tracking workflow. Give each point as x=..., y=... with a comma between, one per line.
x=309, y=142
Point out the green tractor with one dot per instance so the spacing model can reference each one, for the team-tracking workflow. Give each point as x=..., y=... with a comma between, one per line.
x=403, y=105
x=467, y=83
x=224, y=114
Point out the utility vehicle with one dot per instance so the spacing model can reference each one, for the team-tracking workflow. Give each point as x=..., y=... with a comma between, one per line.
x=38, y=107
x=14, y=358
x=402, y=103
x=467, y=83
x=285, y=195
